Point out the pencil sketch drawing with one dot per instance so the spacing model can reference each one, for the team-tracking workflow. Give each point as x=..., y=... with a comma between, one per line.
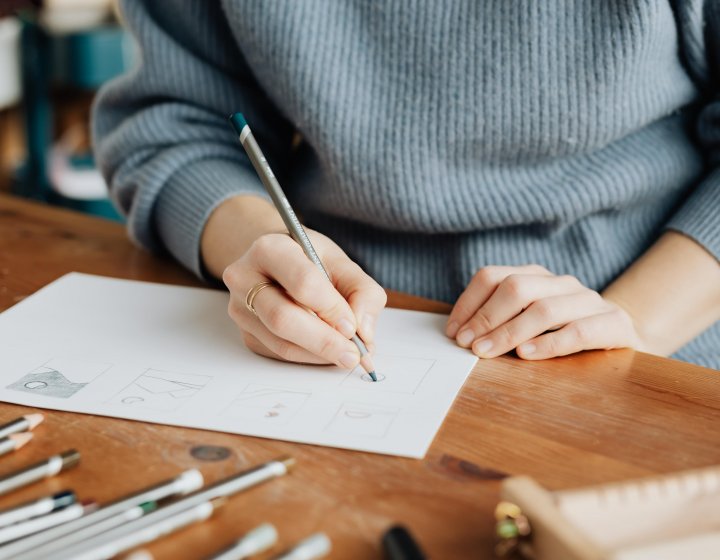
x=59, y=377
x=358, y=419
x=161, y=390
x=270, y=405
x=396, y=374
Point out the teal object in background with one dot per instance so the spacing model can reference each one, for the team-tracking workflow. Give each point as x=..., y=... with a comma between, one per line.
x=84, y=60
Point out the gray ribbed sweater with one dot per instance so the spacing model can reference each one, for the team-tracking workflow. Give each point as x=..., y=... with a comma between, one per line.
x=437, y=137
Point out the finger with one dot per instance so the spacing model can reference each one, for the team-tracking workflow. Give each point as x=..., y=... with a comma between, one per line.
x=292, y=323
x=480, y=288
x=365, y=296
x=513, y=294
x=282, y=259
x=612, y=329
x=284, y=350
x=542, y=315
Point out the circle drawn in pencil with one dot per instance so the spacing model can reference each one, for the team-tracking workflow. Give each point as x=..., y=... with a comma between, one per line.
x=357, y=414
x=366, y=377
x=132, y=400
x=36, y=384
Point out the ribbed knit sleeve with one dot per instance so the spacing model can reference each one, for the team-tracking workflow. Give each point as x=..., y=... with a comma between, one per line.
x=161, y=133
x=699, y=217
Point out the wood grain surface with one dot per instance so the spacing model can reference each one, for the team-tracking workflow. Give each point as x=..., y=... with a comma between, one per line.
x=568, y=422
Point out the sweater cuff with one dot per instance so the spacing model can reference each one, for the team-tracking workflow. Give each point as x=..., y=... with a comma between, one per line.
x=699, y=217
x=189, y=197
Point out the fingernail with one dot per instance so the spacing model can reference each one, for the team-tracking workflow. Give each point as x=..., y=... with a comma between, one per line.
x=345, y=327
x=483, y=346
x=368, y=323
x=452, y=329
x=466, y=337
x=527, y=348
x=349, y=360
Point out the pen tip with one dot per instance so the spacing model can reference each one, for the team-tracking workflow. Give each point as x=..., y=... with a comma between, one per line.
x=20, y=439
x=34, y=419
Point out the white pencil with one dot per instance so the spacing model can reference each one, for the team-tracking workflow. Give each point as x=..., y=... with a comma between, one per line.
x=14, y=442
x=26, y=528
x=22, y=424
x=36, y=508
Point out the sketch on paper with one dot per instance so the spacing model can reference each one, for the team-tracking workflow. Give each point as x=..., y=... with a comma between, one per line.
x=357, y=419
x=161, y=390
x=397, y=374
x=272, y=405
x=59, y=377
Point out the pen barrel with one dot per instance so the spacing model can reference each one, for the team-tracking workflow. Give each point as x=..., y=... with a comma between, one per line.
x=6, y=446
x=222, y=488
x=273, y=188
x=113, y=547
x=31, y=474
x=19, y=425
x=188, y=481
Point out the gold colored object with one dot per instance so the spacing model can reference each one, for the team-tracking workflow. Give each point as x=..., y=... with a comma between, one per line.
x=512, y=531
x=252, y=294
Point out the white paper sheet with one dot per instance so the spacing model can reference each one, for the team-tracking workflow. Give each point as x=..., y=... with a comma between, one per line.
x=171, y=355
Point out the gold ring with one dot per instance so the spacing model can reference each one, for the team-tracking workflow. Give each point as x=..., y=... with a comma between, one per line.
x=252, y=294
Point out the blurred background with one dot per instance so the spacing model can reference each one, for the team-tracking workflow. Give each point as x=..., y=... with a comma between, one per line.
x=54, y=55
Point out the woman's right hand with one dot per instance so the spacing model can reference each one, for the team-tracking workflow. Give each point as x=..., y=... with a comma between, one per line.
x=301, y=317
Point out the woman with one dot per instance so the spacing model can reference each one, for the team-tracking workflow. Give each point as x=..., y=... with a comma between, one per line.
x=553, y=170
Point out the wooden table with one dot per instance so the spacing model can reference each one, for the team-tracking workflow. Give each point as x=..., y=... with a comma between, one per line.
x=584, y=419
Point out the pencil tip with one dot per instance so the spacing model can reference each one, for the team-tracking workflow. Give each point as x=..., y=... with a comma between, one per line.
x=34, y=419
x=20, y=439
x=373, y=376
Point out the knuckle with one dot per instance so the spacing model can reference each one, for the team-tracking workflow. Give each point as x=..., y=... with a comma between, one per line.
x=540, y=269
x=327, y=348
x=278, y=318
x=481, y=322
x=505, y=336
x=304, y=286
x=485, y=275
x=580, y=332
x=283, y=349
x=514, y=286
x=230, y=276
x=543, y=310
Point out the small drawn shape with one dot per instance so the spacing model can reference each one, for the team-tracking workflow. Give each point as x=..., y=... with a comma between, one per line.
x=36, y=384
x=161, y=390
x=366, y=377
x=358, y=419
x=270, y=405
x=59, y=377
x=396, y=374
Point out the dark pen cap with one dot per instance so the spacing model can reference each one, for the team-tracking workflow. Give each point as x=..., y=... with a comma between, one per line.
x=399, y=545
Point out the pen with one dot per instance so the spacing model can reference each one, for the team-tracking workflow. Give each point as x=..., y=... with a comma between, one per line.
x=22, y=424
x=111, y=547
x=36, y=508
x=253, y=542
x=287, y=214
x=399, y=545
x=38, y=524
x=98, y=521
x=55, y=547
x=44, y=469
x=13, y=442
x=221, y=489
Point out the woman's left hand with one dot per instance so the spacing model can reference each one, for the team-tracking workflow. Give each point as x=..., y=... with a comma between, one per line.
x=536, y=313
